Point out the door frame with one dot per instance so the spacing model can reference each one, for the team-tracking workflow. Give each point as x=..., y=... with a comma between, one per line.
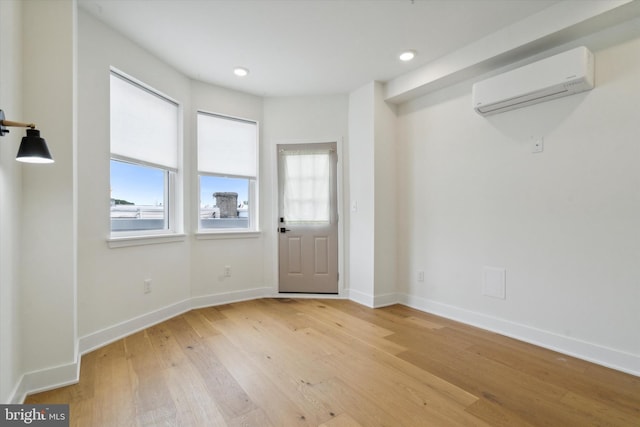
x=273, y=225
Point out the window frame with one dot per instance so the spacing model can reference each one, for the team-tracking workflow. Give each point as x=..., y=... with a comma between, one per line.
x=253, y=229
x=172, y=177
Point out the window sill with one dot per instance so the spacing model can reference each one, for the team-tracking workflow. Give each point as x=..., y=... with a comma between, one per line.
x=126, y=241
x=201, y=235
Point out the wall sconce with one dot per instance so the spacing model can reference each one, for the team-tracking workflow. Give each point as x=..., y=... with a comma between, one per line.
x=33, y=148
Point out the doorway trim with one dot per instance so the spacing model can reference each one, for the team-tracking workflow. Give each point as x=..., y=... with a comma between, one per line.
x=273, y=244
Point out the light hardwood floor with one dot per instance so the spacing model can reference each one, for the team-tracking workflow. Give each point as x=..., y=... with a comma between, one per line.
x=334, y=363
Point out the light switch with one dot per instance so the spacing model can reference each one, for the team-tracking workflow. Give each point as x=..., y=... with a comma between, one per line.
x=537, y=145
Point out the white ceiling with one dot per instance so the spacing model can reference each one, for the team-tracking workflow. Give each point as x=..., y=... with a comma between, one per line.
x=303, y=47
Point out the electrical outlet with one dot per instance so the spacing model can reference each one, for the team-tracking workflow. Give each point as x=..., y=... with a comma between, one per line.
x=147, y=286
x=420, y=276
x=227, y=271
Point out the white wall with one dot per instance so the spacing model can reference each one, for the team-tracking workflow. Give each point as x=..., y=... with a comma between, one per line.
x=373, y=200
x=305, y=118
x=243, y=254
x=10, y=198
x=111, y=279
x=48, y=215
x=563, y=223
x=361, y=194
x=387, y=204
x=290, y=120
x=468, y=193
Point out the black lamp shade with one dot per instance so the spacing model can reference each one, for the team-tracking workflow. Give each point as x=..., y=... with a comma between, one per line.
x=33, y=149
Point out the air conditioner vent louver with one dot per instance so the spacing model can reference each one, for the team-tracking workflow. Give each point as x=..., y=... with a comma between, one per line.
x=554, y=77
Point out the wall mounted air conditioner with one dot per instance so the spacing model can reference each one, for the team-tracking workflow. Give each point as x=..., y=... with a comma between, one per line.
x=560, y=75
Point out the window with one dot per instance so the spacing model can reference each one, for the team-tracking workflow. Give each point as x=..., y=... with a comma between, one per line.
x=227, y=173
x=306, y=193
x=144, y=159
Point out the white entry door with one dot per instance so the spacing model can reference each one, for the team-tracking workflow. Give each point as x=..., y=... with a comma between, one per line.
x=308, y=218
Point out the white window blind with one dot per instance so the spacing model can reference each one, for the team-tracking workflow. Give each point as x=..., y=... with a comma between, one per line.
x=307, y=186
x=227, y=146
x=144, y=125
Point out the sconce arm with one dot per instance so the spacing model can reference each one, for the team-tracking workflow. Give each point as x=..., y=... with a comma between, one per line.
x=10, y=123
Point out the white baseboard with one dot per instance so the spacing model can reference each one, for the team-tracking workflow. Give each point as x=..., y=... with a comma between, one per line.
x=385, y=300
x=373, y=301
x=17, y=395
x=59, y=376
x=361, y=298
x=46, y=379
x=285, y=295
x=113, y=333
x=50, y=378
x=229, y=297
x=590, y=352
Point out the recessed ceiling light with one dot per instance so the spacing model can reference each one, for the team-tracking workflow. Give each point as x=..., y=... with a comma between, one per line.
x=240, y=71
x=407, y=55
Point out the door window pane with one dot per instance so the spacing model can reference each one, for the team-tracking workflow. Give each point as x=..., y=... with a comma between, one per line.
x=307, y=194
